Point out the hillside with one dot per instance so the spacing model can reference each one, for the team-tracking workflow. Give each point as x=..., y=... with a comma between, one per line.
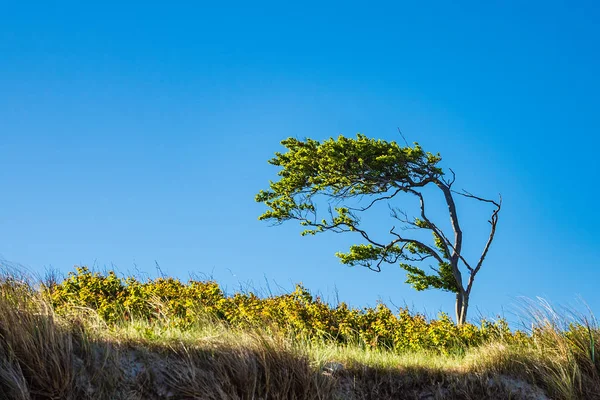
x=100, y=336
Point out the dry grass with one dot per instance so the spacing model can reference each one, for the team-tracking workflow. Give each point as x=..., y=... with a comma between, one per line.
x=562, y=357
x=45, y=356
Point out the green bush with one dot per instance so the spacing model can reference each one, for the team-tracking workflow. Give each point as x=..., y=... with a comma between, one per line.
x=297, y=314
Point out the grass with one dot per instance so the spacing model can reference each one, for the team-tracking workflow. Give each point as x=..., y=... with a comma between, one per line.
x=77, y=355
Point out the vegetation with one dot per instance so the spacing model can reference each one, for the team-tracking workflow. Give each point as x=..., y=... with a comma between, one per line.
x=100, y=336
x=352, y=176
x=297, y=314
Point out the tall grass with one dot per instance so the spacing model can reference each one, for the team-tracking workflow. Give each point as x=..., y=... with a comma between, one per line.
x=77, y=355
x=46, y=356
x=559, y=357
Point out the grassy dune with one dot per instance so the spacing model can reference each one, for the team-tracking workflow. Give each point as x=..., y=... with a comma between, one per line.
x=76, y=353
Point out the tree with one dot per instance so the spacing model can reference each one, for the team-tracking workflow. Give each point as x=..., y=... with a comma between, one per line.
x=367, y=171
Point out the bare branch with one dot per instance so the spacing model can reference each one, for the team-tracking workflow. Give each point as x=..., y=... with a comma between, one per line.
x=493, y=222
x=430, y=224
x=449, y=183
x=402, y=216
x=401, y=134
x=376, y=200
x=469, y=195
x=417, y=259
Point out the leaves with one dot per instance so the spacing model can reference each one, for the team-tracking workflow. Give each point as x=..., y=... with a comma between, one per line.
x=299, y=314
x=345, y=168
x=342, y=167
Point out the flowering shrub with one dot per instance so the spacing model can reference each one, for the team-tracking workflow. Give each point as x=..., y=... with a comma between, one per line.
x=298, y=313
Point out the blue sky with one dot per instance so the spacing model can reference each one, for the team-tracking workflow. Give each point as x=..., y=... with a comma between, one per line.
x=132, y=134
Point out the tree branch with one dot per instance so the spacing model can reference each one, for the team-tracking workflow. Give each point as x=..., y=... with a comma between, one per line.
x=429, y=250
x=401, y=134
x=376, y=200
x=430, y=225
x=458, y=235
x=493, y=222
x=469, y=195
x=449, y=183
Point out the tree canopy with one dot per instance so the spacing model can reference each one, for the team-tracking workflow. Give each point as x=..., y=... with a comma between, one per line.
x=372, y=171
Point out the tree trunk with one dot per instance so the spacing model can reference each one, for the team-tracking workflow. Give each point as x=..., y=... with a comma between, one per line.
x=462, y=306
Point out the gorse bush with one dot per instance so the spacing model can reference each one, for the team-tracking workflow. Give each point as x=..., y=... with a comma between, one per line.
x=297, y=314
x=100, y=336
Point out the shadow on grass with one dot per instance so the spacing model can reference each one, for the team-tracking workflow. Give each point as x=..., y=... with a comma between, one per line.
x=42, y=357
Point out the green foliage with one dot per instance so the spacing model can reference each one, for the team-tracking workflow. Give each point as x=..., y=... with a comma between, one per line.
x=364, y=254
x=342, y=166
x=297, y=314
x=422, y=281
x=367, y=169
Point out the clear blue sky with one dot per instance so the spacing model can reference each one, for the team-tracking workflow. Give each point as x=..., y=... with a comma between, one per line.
x=134, y=133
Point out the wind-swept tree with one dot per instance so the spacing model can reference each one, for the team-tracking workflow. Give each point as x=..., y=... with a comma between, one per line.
x=364, y=171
